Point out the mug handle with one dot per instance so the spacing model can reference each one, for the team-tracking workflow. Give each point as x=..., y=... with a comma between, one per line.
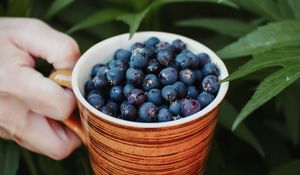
x=63, y=78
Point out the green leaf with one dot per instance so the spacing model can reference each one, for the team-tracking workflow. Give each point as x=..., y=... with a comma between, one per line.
x=295, y=6
x=50, y=167
x=56, y=7
x=226, y=26
x=289, y=168
x=273, y=35
x=226, y=119
x=19, y=8
x=285, y=9
x=10, y=157
x=134, y=19
x=29, y=160
x=97, y=18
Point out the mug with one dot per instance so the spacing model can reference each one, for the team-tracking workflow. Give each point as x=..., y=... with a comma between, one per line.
x=118, y=146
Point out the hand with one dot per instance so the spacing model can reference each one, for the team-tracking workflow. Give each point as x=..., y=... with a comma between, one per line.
x=30, y=104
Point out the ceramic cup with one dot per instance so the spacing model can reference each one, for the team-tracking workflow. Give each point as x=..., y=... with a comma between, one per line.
x=119, y=147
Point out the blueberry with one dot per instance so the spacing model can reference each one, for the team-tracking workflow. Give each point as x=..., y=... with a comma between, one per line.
x=136, y=45
x=168, y=76
x=163, y=106
x=210, y=84
x=94, y=91
x=190, y=107
x=154, y=96
x=118, y=64
x=164, y=56
x=210, y=69
x=134, y=76
x=88, y=86
x=149, y=51
x=198, y=75
x=122, y=55
x=152, y=41
x=116, y=93
x=115, y=76
x=195, y=61
x=177, y=117
x=114, y=106
x=175, y=107
x=192, y=92
x=123, y=104
x=100, y=82
x=205, y=99
x=138, y=60
x=187, y=76
x=136, y=97
x=129, y=112
x=162, y=45
x=178, y=45
x=164, y=115
x=181, y=89
x=95, y=69
x=153, y=66
x=148, y=112
x=150, y=82
x=183, y=60
x=127, y=89
x=169, y=93
x=102, y=71
x=96, y=100
x=203, y=58
x=108, y=110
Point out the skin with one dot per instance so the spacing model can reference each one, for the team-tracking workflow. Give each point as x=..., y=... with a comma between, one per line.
x=31, y=105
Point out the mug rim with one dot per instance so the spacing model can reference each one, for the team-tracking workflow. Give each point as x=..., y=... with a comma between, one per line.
x=215, y=103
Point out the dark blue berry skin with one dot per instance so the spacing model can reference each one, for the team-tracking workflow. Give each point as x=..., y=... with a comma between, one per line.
x=162, y=45
x=100, y=82
x=113, y=105
x=138, y=60
x=134, y=76
x=190, y=107
x=205, y=99
x=168, y=76
x=129, y=112
x=88, y=86
x=127, y=89
x=164, y=115
x=154, y=96
x=187, y=76
x=116, y=93
x=102, y=71
x=178, y=45
x=195, y=61
x=152, y=41
x=181, y=89
x=148, y=112
x=149, y=51
x=94, y=91
x=165, y=56
x=123, y=104
x=198, y=75
x=177, y=117
x=175, y=107
x=96, y=100
x=136, y=45
x=192, y=92
x=163, y=106
x=203, y=58
x=95, y=69
x=150, y=82
x=122, y=65
x=122, y=55
x=183, y=60
x=136, y=97
x=115, y=76
x=210, y=69
x=108, y=110
x=169, y=93
x=210, y=84
x=153, y=66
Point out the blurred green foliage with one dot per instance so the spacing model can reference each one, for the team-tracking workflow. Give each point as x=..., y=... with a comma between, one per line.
x=259, y=36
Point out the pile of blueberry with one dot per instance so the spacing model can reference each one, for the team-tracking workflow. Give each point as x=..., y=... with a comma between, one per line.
x=153, y=81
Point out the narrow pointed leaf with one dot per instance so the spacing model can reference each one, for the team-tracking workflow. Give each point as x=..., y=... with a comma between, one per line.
x=226, y=26
x=226, y=118
x=289, y=168
x=97, y=18
x=295, y=6
x=56, y=7
x=268, y=88
x=273, y=35
x=9, y=157
x=29, y=160
x=285, y=9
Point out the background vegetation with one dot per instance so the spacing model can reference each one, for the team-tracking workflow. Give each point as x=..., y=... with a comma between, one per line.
x=259, y=40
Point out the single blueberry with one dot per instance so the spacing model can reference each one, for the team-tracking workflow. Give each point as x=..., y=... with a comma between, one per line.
x=183, y=60
x=162, y=45
x=169, y=93
x=148, y=112
x=210, y=69
x=102, y=71
x=122, y=55
x=198, y=75
x=129, y=112
x=134, y=76
x=113, y=105
x=108, y=110
x=149, y=51
x=175, y=107
x=138, y=60
x=116, y=93
x=205, y=99
x=115, y=76
x=95, y=69
x=203, y=58
x=210, y=84
x=190, y=107
x=150, y=82
x=152, y=41
x=164, y=56
x=154, y=96
x=96, y=100
x=163, y=106
x=187, y=76
x=192, y=92
x=88, y=86
x=153, y=66
x=122, y=65
x=195, y=61
x=168, y=76
x=127, y=89
x=100, y=82
x=136, y=97
x=164, y=115
x=178, y=45
x=94, y=91
x=123, y=104
x=136, y=45
x=181, y=89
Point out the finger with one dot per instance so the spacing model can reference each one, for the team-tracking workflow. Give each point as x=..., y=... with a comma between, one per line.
x=46, y=136
x=40, y=40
